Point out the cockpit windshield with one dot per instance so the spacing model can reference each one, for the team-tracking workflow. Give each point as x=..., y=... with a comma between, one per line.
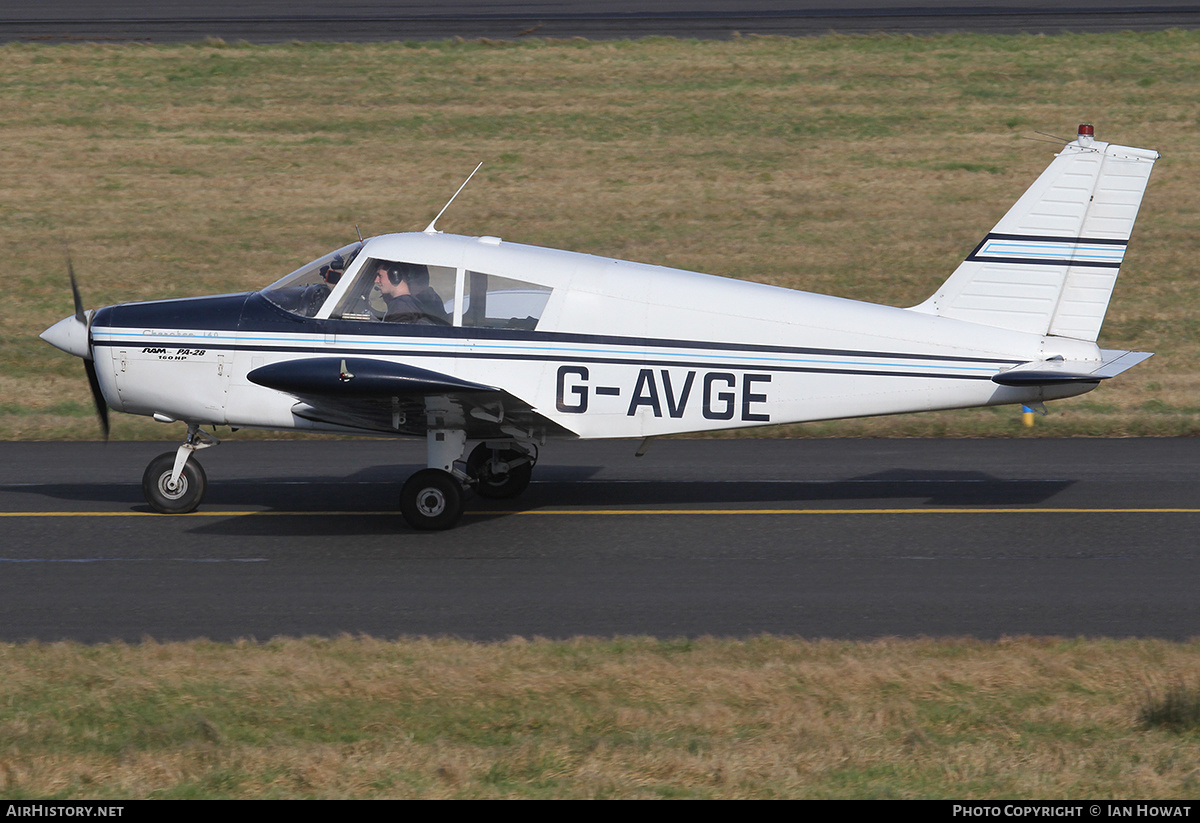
x=304, y=291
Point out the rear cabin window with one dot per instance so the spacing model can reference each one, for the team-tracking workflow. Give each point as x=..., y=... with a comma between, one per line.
x=493, y=302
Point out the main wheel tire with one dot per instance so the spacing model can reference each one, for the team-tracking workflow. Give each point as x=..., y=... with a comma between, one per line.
x=185, y=496
x=498, y=485
x=432, y=500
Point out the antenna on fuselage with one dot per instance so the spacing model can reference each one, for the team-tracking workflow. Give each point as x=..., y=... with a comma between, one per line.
x=430, y=229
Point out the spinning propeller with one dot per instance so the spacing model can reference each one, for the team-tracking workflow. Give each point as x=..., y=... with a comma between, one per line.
x=73, y=335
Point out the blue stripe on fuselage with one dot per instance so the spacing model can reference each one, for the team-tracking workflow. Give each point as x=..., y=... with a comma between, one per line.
x=251, y=322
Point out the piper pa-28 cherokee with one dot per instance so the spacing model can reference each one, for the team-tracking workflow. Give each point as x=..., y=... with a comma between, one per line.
x=488, y=348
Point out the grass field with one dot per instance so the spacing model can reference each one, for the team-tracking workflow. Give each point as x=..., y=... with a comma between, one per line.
x=866, y=167
x=624, y=718
x=860, y=166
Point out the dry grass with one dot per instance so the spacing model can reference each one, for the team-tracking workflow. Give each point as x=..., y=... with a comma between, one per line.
x=860, y=166
x=625, y=718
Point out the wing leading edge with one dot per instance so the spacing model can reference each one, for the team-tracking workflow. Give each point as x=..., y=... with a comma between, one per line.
x=393, y=398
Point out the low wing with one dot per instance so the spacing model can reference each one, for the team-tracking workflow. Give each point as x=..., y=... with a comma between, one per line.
x=1059, y=371
x=393, y=398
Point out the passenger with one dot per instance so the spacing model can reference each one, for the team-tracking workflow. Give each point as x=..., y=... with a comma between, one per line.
x=409, y=297
x=332, y=271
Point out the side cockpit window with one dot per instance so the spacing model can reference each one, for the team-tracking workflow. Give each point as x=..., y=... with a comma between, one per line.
x=494, y=302
x=398, y=291
x=305, y=290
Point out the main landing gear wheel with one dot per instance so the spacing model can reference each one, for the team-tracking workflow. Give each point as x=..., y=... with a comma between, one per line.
x=178, y=498
x=495, y=478
x=432, y=500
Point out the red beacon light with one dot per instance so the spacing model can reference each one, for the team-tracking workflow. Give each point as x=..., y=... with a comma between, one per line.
x=1087, y=130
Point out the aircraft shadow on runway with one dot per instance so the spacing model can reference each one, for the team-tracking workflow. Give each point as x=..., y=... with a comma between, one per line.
x=893, y=488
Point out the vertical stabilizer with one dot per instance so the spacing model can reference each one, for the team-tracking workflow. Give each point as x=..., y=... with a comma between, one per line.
x=1049, y=266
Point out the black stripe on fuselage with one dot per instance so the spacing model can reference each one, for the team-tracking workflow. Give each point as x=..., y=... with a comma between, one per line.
x=567, y=357
x=260, y=316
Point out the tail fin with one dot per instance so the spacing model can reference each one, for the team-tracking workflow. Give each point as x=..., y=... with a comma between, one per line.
x=1049, y=265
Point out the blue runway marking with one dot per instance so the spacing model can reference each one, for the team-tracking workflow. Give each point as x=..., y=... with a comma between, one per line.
x=133, y=559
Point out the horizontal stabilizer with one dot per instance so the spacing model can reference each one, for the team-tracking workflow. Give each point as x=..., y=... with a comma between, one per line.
x=1059, y=371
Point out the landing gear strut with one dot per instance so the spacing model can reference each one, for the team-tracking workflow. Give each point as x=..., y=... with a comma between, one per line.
x=173, y=484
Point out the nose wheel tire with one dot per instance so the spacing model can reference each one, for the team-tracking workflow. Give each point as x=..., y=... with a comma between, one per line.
x=494, y=478
x=431, y=500
x=173, y=498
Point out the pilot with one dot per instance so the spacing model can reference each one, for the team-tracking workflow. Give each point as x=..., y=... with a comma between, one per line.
x=409, y=297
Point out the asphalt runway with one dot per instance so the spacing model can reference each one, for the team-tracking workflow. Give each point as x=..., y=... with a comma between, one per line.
x=273, y=21
x=810, y=538
x=843, y=539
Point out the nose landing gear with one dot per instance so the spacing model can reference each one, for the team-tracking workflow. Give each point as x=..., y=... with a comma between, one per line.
x=173, y=483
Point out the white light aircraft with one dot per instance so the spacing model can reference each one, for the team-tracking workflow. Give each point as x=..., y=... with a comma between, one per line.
x=488, y=348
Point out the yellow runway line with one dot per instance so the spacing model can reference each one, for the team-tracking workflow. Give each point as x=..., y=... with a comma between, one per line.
x=849, y=511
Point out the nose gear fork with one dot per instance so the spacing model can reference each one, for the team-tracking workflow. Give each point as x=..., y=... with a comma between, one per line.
x=197, y=439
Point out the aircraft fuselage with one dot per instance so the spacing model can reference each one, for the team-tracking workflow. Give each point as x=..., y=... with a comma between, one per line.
x=720, y=354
